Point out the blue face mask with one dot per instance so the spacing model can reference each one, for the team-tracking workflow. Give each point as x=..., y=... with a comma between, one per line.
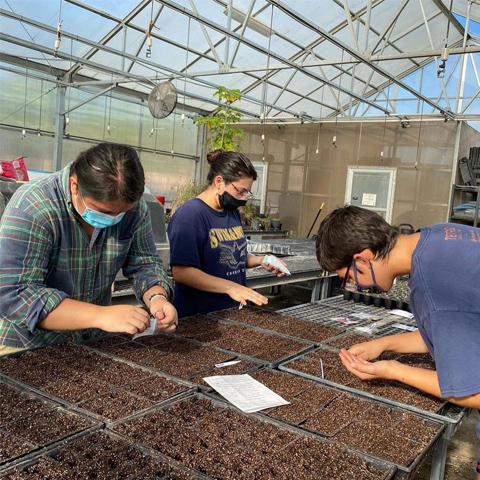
x=99, y=219
x=373, y=287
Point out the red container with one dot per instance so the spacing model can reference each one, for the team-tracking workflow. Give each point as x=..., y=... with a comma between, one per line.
x=160, y=199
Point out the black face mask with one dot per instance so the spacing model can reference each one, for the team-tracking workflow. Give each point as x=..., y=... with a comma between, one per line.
x=229, y=202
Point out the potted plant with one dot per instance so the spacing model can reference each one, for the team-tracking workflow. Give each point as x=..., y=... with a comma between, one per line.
x=248, y=212
x=190, y=189
x=257, y=223
x=275, y=223
x=221, y=133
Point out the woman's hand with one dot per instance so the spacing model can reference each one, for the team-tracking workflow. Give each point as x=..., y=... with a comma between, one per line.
x=241, y=294
x=366, y=370
x=274, y=270
x=165, y=314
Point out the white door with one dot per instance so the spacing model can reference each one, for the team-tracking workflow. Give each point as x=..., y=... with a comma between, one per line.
x=259, y=187
x=372, y=188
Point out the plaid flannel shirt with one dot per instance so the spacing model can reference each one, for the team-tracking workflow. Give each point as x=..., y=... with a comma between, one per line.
x=46, y=256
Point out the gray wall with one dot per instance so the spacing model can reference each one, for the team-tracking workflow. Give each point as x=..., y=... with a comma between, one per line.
x=299, y=179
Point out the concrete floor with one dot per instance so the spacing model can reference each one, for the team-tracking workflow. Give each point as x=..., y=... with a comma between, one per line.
x=463, y=448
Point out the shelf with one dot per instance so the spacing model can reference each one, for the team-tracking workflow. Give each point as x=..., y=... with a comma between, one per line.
x=465, y=194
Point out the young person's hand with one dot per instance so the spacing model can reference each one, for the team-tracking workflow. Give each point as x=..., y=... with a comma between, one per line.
x=366, y=370
x=165, y=314
x=123, y=319
x=367, y=350
x=241, y=294
x=272, y=268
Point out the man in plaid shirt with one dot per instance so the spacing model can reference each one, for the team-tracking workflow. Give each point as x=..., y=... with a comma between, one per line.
x=63, y=240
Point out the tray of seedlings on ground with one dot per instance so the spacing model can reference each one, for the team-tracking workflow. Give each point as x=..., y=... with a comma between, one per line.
x=258, y=346
x=100, y=455
x=369, y=426
x=279, y=323
x=324, y=365
x=208, y=436
x=93, y=382
x=29, y=423
x=397, y=297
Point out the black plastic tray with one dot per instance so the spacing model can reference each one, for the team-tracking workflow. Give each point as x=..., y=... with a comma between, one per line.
x=387, y=467
x=447, y=412
x=272, y=364
x=52, y=406
x=216, y=315
x=409, y=468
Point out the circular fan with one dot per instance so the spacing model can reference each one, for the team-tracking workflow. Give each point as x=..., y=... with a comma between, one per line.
x=162, y=99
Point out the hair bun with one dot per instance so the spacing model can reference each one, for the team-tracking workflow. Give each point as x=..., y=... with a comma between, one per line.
x=213, y=156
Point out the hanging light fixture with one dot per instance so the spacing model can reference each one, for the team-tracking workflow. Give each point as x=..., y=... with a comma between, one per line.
x=58, y=38
x=334, y=139
x=445, y=52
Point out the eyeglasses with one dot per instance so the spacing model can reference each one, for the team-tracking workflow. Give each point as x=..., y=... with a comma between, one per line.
x=346, y=278
x=243, y=193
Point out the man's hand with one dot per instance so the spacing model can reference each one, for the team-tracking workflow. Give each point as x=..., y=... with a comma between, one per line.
x=165, y=314
x=367, y=350
x=123, y=319
x=366, y=370
x=241, y=294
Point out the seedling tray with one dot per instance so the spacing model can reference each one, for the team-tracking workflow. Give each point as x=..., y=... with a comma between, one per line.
x=210, y=436
x=36, y=422
x=280, y=324
x=97, y=455
x=344, y=417
x=442, y=413
x=104, y=374
x=247, y=342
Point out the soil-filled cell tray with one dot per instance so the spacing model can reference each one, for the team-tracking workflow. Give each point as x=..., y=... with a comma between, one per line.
x=242, y=366
x=259, y=346
x=98, y=456
x=359, y=423
x=348, y=340
x=114, y=405
x=29, y=422
x=279, y=323
x=327, y=363
x=221, y=442
x=133, y=351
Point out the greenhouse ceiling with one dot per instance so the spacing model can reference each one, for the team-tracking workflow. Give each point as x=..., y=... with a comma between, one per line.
x=301, y=60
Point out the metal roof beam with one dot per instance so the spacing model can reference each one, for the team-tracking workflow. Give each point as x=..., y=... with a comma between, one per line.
x=111, y=33
x=105, y=68
x=201, y=19
x=335, y=41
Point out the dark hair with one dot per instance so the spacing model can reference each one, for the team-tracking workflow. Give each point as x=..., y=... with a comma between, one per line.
x=350, y=230
x=109, y=171
x=230, y=166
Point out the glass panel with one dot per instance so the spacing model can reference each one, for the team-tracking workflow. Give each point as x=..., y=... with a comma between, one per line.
x=165, y=174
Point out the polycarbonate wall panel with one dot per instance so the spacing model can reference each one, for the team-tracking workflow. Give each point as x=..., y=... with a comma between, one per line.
x=169, y=134
x=130, y=123
x=165, y=174
x=300, y=179
x=12, y=105
x=37, y=152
